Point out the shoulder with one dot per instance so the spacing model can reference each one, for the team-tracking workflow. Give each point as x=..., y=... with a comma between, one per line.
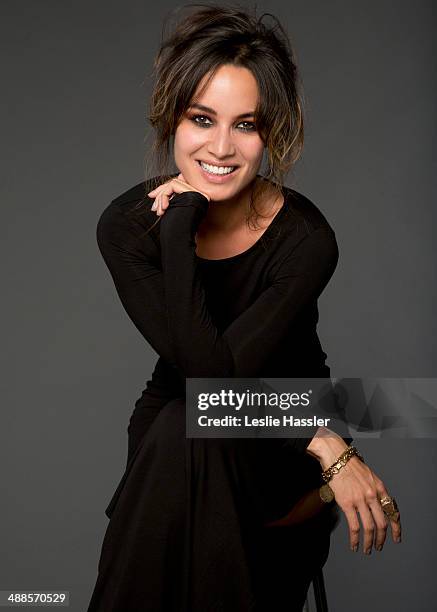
x=304, y=240
x=303, y=227
x=132, y=195
x=137, y=195
x=130, y=211
x=134, y=198
x=302, y=211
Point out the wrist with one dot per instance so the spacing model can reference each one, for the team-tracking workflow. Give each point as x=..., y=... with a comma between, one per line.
x=326, y=446
x=191, y=207
x=192, y=202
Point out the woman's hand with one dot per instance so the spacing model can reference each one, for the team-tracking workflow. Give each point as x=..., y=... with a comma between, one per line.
x=358, y=491
x=166, y=191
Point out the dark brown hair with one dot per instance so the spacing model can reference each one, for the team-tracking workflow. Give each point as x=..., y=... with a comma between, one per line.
x=209, y=36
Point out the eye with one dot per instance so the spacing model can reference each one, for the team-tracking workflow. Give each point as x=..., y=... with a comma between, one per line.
x=251, y=128
x=201, y=121
x=195, y=118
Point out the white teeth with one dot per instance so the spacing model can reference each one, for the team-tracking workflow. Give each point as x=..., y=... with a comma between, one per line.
x=217, y=169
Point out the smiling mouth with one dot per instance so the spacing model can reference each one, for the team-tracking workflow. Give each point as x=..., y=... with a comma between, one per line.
x=216, y=170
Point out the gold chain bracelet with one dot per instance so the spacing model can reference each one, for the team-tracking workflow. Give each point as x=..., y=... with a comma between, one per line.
x=341, y=462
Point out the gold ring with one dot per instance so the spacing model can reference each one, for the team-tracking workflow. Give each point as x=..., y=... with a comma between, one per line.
x=390, y=508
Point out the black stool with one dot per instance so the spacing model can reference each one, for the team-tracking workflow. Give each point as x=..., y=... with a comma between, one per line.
x=319, y=594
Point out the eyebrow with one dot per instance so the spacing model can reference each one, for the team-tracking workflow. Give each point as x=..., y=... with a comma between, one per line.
x=207, y=109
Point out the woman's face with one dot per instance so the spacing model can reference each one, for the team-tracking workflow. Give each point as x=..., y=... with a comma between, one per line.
x=218, y=130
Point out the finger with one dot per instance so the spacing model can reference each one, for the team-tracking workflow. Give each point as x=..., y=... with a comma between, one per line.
x=155, y=205
x=396, y=529
x=368, y=527
x=395, y=526
x=158, y=195
x=165, y=202
x=159, y=209
x=381, y=523
x=354, y=528
x=165, y=194
x=158, y=189
x=165, y=186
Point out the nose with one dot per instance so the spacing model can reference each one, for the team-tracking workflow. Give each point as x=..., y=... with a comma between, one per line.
x=221, y=144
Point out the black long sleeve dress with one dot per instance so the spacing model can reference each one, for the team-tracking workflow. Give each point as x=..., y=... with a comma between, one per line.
x=186, y=530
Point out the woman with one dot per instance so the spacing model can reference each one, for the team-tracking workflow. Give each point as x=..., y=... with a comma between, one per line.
x=220, y=270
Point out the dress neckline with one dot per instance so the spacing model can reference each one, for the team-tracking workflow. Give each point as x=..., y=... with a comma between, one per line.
x=271, y=226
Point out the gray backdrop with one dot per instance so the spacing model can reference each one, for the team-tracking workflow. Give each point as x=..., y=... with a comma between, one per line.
x=76, y=78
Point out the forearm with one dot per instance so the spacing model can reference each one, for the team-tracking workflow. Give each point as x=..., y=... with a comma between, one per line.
x=133, y=264
x=199, y=349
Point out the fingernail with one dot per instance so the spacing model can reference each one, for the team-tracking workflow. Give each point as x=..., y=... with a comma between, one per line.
x=355, y=548
x=153, y=206
x=379, y=548
x=368, y=551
